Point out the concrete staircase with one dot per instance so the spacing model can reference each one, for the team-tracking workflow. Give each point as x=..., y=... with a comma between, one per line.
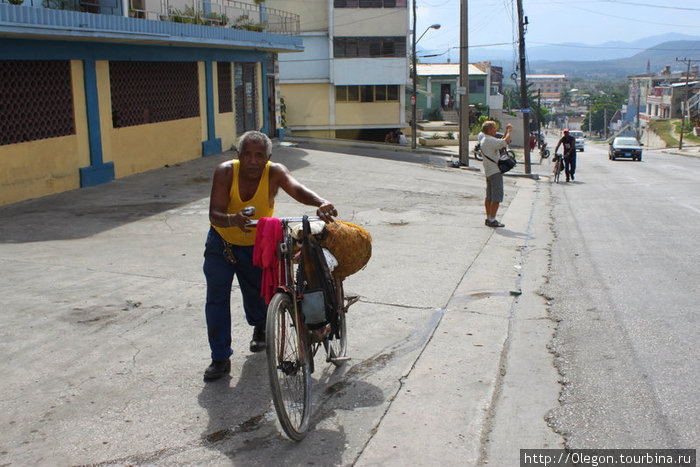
x=450, y=115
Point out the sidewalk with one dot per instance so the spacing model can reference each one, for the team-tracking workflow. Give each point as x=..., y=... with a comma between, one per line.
x=103, y=338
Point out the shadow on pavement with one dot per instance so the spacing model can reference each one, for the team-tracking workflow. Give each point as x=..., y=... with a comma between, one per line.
x=88, y=211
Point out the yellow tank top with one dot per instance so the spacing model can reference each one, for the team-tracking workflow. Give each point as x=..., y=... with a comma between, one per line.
x=261, y=201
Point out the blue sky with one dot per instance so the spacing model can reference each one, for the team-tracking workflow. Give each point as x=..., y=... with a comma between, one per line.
x=551, y=22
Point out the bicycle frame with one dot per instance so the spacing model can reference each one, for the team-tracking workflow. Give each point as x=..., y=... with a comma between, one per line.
x=290, y=366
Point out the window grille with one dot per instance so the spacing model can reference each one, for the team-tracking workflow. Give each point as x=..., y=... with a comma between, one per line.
x=225, y=89
x=150, y=92
x=36, y=100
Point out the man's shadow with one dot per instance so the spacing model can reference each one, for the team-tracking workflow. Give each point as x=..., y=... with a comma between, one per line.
x=230, y=407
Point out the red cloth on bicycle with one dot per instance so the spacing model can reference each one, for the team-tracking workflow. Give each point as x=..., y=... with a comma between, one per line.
x=267, y=237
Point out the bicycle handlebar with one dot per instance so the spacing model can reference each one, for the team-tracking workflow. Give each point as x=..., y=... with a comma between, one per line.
x=253, y=223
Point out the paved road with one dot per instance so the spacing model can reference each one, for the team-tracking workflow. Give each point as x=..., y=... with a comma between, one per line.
x=624, y=285
x=103, y=340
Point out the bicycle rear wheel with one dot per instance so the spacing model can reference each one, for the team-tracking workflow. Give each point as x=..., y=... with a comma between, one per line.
x=288, y=367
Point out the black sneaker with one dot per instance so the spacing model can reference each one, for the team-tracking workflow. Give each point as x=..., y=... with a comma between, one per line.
x=217, y=369
x=495, y=223
x=258, y=342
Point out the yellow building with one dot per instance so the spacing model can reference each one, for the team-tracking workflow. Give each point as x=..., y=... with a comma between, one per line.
x=82, y=105
x=349, y=81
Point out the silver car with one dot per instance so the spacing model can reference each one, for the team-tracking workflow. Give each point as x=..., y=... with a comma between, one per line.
x=579, y=139
x=625, y=146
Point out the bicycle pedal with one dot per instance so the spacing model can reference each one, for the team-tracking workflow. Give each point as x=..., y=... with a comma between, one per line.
x=338, y=359
x=351, y=299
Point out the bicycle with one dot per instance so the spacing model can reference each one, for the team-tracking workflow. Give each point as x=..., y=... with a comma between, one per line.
x=293, y=342
x=476, y=152
x=558, y=166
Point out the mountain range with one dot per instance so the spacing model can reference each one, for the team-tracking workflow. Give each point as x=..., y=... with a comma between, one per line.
x=610, y=60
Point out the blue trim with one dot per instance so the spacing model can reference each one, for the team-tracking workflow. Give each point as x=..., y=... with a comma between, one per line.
x=213, y=144
x=209, y=85
x=93, y=112
x=211, y=147
x=97, y=172
x=29, y=49
x=265, y=93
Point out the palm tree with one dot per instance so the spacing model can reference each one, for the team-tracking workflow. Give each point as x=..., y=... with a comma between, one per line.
x=565, y=98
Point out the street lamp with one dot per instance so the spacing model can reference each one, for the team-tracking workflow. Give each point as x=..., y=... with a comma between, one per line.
x=413, y=94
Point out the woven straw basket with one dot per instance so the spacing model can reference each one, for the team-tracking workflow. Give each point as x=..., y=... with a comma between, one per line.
x=350, y=244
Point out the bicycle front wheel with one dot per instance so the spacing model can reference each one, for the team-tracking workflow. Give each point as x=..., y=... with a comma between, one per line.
x=338, y=343
x=288, y=367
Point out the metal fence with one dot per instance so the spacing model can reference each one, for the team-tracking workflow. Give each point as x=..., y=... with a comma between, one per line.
x=221, y=13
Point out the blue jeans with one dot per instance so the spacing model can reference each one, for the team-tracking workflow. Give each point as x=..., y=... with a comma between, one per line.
x=570, y=165
x=219, y=273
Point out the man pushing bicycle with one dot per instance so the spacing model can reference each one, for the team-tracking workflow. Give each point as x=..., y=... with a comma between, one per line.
x=251, y=180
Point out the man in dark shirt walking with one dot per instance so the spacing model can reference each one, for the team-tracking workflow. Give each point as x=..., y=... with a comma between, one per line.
x=569, y=143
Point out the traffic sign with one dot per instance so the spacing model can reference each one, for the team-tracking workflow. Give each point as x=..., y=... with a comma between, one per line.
x=413, y=100
x=526, y=111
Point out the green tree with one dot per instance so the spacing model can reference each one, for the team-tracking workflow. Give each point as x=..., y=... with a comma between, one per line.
x=565, y=98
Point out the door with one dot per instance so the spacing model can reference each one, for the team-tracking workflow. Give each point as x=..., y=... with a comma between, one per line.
x=246, y=97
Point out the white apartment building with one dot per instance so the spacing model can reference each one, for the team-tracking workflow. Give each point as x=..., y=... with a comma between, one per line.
x=349, y=81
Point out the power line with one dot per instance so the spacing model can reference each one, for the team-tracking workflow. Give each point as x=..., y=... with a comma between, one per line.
x=653, y=6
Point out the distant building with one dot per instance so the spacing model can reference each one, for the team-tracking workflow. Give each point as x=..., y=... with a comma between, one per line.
x=654, y=96
x=436, y=80
x=549, y=87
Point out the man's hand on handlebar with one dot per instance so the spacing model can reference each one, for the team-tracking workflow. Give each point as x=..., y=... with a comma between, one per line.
x=326, y=212
x=242, y=219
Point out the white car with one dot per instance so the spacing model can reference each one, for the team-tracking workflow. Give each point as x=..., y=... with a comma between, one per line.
x=579, y=139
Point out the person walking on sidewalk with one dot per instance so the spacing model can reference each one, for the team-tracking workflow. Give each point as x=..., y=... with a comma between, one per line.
x=569, y=144
x=491, y=147
x=252, y=180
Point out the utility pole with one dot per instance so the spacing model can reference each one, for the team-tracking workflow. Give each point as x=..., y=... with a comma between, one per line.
x=464, y=84
x=605, y=121
x=685, y=104
x=639, y=101
x=522, y=22
x=539, y=111
x=414, y=96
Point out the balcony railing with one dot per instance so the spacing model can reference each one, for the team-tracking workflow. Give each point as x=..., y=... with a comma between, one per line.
x=221, y=13
x=224, y=13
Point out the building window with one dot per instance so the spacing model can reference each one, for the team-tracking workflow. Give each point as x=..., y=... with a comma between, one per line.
x=36, y=100
x=223, y=71
x=366, y=47
x=150, y=92
x=367, y=93
x=476, y=86
x=369, y=3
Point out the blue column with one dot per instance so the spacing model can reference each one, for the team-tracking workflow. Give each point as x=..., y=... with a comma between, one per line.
x=265, y=93
x=213, y=144
x=97, y=172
